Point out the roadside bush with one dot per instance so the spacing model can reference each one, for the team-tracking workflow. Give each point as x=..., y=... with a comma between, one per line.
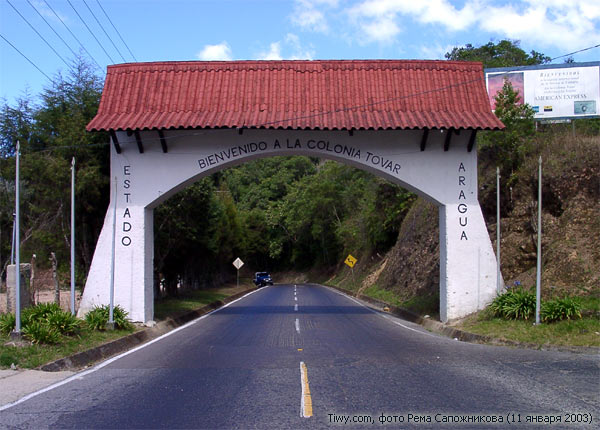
x=560, y=309
x=97, y=318
x=38, y=312
x=514, y=304
x=43, y=323
x=7, y=323
x=64, y=322
x=41, y=332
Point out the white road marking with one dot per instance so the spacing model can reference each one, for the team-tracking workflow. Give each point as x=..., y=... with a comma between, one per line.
x=297, y=325
x=387, y=317
x=111, y=360
x=296, y=307
x=296, y=298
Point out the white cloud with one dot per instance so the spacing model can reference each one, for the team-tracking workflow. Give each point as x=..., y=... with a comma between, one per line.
x=308, y=16
x=220, y=52
x=274, y=52
x=381, y=29
x=292, y=45
x=386, y=13
x=299, y=52
x=45, y=11
x=566, y=24
x=436, y=52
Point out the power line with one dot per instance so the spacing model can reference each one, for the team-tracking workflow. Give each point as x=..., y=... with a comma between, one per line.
x=91, y=32
x=575, y=52
x=102, y=27
x=38, y=33
x=51, y=28
x=25, y=56
x=113, y=26
x=75, y=37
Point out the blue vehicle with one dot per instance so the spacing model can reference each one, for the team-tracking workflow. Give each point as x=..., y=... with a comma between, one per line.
x=262, y=279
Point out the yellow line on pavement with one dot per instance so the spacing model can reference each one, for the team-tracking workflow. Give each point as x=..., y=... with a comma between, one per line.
x=306, y=402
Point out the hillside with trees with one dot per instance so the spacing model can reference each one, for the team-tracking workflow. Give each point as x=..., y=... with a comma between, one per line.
x=304, y=215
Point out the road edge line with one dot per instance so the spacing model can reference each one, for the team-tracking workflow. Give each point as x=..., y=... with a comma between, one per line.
x=104, y=363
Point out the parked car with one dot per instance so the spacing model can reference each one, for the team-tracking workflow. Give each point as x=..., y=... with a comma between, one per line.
x=262, y=279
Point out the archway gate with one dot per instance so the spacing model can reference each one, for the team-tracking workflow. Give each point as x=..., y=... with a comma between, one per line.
x=411, y=122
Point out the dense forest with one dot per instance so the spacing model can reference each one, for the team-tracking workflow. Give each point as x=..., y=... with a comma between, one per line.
x=280, y=213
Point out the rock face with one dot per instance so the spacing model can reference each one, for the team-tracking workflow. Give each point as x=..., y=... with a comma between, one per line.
x=413, y=266
x=570, y=226
x=570, y=220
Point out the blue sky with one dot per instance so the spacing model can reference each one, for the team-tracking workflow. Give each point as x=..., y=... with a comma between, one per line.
x=171, y=30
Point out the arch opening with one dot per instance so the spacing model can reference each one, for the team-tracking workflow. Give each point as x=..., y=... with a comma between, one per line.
x=446, y=176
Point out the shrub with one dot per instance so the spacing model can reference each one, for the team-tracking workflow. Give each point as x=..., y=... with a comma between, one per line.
x=514, y=304
x=38, y=312
x=7, y=323
x=64, y=322
x=560, y=309
x=97, y=318
x=41, y=332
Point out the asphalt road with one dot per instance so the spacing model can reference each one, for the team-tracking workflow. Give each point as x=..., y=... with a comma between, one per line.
x=240, y=367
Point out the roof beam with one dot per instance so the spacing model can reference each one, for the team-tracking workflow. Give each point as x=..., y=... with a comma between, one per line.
x=163, y=141
x=448, y=137
x=138, y=139
x=472, y=140
x=424, y=139
x=115, y=141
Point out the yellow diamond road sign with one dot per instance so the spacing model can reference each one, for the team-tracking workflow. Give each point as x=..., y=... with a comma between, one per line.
x=350, y=260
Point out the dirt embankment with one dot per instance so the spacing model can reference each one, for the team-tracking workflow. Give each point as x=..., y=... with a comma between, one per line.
x=570, y=226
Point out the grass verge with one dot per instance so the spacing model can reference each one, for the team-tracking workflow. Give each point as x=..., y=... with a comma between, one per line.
x=579, y=332
x=574, y=332
x=35, y=355
x=188, y=302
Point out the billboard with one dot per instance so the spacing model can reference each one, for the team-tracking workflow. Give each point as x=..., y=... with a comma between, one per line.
x=564, y=91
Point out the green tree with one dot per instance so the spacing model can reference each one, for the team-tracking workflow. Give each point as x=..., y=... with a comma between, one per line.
x=512, y=144
x=505, y=53
x=51, y=133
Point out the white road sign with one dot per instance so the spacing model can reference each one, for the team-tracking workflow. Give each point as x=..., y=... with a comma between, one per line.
x=238, y=263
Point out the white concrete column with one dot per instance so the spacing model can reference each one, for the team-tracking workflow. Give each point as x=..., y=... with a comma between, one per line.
x=134, y=247
x=467, y=260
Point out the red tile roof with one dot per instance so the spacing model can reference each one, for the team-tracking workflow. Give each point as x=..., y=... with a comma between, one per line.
x=332, y=94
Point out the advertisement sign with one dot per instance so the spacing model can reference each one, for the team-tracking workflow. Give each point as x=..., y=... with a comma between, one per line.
x=553, y=91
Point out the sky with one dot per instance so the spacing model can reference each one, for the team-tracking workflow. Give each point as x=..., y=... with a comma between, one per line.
x=118, y=31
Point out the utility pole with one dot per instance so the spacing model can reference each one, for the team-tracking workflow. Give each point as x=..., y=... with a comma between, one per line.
x=111, y=322
x=73, y=236
x=498, y=232
x=17, y=333
x=538, y=277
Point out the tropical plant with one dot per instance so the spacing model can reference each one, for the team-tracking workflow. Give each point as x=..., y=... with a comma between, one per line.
x=516, y=303
x=7, y=323
x=64, y=322
x=41, y=332
x=38, y=312
x=97, y=318
x=560, y=309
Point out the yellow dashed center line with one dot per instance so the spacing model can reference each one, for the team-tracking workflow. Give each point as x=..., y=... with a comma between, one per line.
x=306, y=402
